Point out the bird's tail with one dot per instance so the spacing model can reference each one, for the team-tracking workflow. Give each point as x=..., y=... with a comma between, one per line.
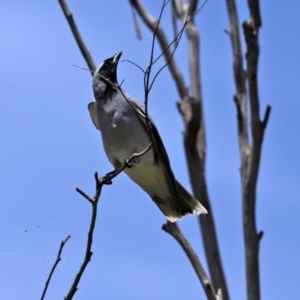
x=184, y=204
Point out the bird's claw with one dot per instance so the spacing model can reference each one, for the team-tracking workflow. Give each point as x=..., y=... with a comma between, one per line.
x=129, y=163
x=107, y=179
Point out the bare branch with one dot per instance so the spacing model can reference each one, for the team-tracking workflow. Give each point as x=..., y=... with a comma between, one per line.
x=173, y=230
x=136, y=24
x=147, y=84
x=266, y=117
x=88, y=252
x=250, y=155
x=163, y=42
x=84, y=51
x=251, y=237
x=107, y=179
x=174, y=19
x=58, y=259
x=84, y=195
x=255, y=12
x=240, y=97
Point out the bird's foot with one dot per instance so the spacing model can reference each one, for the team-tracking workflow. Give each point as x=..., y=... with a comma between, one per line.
x=129, y=163
x=107, y=178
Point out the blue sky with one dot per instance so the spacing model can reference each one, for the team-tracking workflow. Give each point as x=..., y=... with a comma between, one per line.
x=49, y=147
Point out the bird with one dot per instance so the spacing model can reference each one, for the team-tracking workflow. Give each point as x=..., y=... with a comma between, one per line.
x=126, y=130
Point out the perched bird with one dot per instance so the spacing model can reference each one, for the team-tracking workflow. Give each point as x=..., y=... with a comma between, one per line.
x=125, y=130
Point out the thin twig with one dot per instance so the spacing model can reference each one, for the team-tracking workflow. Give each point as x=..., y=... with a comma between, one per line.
x=163, y=42
x=88, y=252
x=58, y=259
x=84, y=51
x=266, y=117
x=167, y=52
x=147, y=85
x=188, y=17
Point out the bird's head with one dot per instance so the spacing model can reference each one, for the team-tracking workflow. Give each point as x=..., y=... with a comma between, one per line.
x=108, y=69
x=106, y=75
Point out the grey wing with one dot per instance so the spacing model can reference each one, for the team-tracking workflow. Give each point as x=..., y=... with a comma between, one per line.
x=161, y=156
x=93, y=113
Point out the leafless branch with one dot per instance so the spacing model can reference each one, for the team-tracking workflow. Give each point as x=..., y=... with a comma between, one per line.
x=84, y=51
x=164, y=44
x=107, y=179
x=174, y=20
x=240, y=97
x=88, y=252
x=58, y=259
x=250, y=155
x=148, y=80
x=251, y=236
x=255, y=12
x=136, y=24
x=173, y=230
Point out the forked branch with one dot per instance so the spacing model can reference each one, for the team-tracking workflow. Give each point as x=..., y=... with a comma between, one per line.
x=250, y=150
x=107, y=179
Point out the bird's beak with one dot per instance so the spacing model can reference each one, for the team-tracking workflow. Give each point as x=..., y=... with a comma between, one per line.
x=117, y=57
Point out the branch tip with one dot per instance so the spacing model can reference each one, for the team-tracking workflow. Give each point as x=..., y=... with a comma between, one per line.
x=74, y=29
x=260, y=235
x=266, y=116
x=86, y=196
x=58, y=259
x=228, y=32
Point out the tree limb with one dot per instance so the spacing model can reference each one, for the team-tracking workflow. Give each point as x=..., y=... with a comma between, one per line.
x=250, y=155
x=84, y=51
x=173, y=229
x=240, y=97
x=88, y=252
x=251, y=236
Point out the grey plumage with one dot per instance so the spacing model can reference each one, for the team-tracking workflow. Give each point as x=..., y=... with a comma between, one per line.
x=124, y=129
